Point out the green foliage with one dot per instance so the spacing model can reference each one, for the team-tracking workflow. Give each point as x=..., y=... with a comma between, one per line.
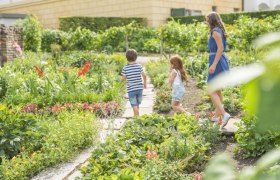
x=163, y=99
x=219, y=168
x=66, y=134
x=180, y=38
x=229, y=18
x=3, y=86
x=61, y=83
x=56, y=51
x=32, y=33
x=266, y=167
x=18, y=130
x=253, y=143
x=113, y=37
x=160, y=169
x=245, y=30
x=158, y=71
x=233, y=100
x=125, y=156
x=129, y=147
x=81, y=39
x=51, y=36
x=130, y=35
x=97, y=24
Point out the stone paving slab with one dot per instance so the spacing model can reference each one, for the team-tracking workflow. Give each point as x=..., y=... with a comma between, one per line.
x=129, y=112
x=115, y=124
x=231, y=128
x=61, y=171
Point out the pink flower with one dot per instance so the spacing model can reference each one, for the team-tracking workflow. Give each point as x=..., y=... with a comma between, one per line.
x=151, y=154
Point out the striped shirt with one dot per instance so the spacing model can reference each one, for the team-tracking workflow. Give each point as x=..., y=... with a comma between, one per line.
x=133, y=72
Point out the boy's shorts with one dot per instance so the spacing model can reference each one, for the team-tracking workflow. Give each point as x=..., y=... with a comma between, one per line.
x=135, y=97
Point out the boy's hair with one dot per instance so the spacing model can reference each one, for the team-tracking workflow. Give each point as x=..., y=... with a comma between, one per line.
x=131, y=55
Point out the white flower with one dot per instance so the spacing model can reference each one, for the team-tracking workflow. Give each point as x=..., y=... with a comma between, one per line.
x=44, y=62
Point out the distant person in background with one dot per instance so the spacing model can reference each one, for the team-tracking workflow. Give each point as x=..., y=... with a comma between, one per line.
x=17, y=48
x=177, y=78
x=133, y=73
x=218, y=63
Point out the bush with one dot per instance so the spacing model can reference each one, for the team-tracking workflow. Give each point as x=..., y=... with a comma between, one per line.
x=97, y=24
x=253, y=143
x=18, y=131
x=32, y=33
x=67, y=133
x=58, y=37
x=82, y=39
x=229, y=18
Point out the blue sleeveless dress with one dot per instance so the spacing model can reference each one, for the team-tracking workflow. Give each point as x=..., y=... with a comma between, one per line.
x=223, y=64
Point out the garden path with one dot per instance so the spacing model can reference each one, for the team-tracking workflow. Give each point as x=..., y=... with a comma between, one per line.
x=70, y=170
x=228, y=144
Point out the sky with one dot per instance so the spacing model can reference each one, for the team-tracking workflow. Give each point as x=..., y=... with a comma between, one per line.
x=8, y=1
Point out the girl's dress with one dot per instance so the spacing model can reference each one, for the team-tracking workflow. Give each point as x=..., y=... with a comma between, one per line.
x=178, y=88
x=223, y=64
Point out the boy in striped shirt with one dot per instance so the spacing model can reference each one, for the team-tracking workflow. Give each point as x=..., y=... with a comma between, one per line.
x=133, y=74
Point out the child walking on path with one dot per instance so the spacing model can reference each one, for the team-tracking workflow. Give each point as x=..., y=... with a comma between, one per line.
x=176, y=78
x=132, y=73
x=218, y=62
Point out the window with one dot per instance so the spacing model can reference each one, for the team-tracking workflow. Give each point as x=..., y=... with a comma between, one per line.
x=236, y=9
x=178, y=12
x=185, y=12
x=196, y=13
x=214, y=8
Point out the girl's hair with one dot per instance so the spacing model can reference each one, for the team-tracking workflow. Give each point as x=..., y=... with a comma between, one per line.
x=215, y=20
x=176, y=61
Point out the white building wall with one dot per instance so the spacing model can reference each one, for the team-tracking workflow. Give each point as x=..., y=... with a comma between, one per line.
x=257, y=5
x=8, y=21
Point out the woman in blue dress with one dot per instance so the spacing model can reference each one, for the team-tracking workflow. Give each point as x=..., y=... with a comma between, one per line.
x=218, y=62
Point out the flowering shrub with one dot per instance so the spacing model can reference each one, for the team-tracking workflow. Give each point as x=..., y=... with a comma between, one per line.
x=101, y=109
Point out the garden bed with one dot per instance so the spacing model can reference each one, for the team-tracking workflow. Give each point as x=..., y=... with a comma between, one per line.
x=49, y=108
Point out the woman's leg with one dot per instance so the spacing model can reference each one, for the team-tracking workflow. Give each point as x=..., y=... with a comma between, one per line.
x=218, y=104
x=216, y=99
x=217, y=112
x=176, y=107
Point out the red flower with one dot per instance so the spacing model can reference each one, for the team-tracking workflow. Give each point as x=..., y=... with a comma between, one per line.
x=39, y=71
x=85, y=69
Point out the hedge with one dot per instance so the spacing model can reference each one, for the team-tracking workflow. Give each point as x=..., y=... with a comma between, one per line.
x=227, y=18
x=97, y=24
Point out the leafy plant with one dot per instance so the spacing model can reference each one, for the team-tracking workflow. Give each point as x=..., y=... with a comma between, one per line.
x=18, y=131
x=32, y=33
x=251, y=142
x=66, y=134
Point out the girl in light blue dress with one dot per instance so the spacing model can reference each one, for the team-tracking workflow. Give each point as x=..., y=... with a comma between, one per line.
x=177, y=78
x=218, y=62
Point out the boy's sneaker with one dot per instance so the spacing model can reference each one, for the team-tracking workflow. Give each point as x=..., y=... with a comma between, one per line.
x=225, y=119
